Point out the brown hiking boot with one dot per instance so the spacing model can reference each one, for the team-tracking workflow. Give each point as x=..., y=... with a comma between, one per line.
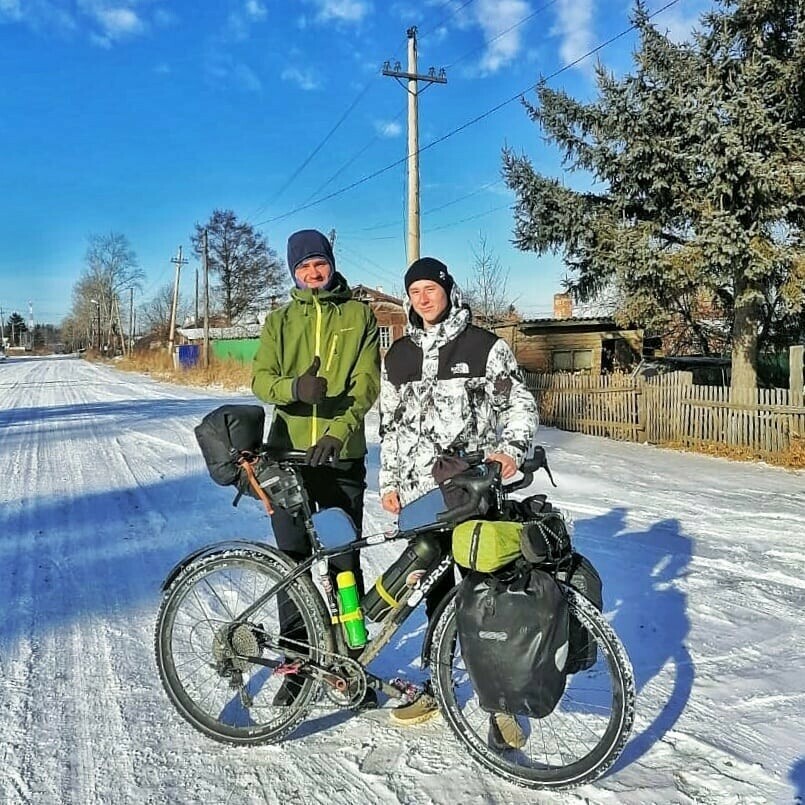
x=505, y=732
x=423, y=708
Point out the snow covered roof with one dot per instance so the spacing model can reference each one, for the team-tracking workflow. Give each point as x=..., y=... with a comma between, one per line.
x=218, y=333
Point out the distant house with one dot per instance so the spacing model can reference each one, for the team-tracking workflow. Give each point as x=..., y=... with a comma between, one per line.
x=388, y=310
x=564, y=343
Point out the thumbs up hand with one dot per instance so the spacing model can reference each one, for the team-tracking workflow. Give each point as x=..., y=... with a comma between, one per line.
x=308, y=387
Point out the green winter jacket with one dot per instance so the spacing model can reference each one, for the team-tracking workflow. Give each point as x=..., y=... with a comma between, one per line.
x=343, y=333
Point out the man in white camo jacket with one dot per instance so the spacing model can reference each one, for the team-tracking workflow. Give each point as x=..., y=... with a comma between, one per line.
x=447, y=384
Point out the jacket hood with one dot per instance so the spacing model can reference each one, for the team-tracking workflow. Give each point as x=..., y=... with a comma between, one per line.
x=456, y=320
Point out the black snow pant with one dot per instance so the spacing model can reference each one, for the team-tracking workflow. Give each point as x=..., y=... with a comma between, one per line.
x=339, y=486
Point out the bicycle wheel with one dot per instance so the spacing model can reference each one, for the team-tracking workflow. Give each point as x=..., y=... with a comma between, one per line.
x=225, y=697
x=574, y=744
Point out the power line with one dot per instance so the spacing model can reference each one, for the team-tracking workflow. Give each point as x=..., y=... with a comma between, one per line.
x=466, y=125
x=469, y=218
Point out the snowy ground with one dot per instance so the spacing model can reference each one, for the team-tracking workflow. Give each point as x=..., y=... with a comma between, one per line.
x=103, y=488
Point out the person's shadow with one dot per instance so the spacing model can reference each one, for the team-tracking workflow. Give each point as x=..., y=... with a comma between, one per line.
x=638, y=569
x=797, y=777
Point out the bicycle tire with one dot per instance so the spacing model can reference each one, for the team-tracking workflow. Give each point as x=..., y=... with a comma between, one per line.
x=611, y=656
x=172, y=664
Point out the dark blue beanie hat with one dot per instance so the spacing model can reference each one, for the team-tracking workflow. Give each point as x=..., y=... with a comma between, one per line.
x=309, y=243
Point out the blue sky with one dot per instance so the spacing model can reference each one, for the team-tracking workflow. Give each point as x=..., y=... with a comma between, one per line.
x=142, y=116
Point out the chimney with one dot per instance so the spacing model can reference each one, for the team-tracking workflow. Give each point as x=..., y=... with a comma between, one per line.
x=562, y=306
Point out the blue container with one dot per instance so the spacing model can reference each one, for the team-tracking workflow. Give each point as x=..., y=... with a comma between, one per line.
x=189, y=355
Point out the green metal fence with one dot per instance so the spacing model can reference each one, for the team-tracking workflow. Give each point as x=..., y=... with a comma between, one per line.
x=235, y=349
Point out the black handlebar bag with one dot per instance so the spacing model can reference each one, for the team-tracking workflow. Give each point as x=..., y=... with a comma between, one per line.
x=513, y=630
x=224, y=433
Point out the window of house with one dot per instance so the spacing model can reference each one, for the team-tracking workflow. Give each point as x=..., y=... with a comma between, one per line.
x=385, y=337
x=572, y=360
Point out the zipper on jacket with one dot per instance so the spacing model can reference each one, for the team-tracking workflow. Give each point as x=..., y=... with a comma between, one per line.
x=332, y=353
x=316, y=351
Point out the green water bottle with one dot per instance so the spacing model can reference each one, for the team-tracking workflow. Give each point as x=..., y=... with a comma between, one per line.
x=351, y=614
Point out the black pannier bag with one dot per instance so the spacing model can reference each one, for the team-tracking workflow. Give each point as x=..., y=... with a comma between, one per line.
x=513, y=632
x=224, y=433
x=583, y=577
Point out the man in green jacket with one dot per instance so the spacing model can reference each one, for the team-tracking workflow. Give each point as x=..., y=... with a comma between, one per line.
x=318, y=363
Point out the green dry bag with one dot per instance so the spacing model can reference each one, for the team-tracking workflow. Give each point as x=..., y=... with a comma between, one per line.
x=486, y=546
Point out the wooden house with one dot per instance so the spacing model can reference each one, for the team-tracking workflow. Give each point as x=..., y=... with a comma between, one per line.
x=388, y=310
x=564, y=343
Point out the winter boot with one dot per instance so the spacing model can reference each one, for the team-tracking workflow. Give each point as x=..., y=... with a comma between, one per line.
x=505, y=732
x=422, y=709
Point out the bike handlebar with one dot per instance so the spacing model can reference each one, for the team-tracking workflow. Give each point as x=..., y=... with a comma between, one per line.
x=479, y=486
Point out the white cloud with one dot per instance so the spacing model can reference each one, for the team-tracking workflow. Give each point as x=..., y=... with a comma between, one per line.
x=41, y=15
x=119, y=22
x=388, y=128
x=495, y=17
x=679, y=24
x=240, y=21
x=11, y=10
x=342, y=10
x=304, y=79
x=255, y=9
x=574, y=25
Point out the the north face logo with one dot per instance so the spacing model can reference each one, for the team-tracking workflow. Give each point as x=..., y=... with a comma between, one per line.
x=460, y=368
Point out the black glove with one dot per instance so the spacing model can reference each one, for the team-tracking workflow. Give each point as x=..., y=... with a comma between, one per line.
x=328, y=448
x=308, y=388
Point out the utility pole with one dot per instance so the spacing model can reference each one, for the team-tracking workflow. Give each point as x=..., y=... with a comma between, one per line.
x=413, y=79
x=195, y=320
x=206, y=355
x=30, y=325
x=179, y=262
x=131, y=323
x=331, y=238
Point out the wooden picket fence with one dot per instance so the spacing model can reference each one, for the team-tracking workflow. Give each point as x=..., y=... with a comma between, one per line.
x=670, y=409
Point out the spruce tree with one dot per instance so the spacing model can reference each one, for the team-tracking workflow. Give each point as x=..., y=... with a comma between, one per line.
x=701, y=155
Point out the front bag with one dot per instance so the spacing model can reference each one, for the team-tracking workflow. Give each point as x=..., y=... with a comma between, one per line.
x=224, y=434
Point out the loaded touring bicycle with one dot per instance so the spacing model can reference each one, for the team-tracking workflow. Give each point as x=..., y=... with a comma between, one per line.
x=223, y=648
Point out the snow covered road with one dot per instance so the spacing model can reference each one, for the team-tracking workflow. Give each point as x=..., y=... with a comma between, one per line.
x=102, y=489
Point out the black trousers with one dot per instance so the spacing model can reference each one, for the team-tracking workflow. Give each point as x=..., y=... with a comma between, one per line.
x=341, y=485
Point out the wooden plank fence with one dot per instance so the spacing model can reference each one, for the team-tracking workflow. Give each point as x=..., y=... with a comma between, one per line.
x=669, y=408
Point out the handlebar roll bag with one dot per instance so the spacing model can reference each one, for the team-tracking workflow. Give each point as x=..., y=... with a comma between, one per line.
x=224, y=433
x=513, y=632
x=485, y=545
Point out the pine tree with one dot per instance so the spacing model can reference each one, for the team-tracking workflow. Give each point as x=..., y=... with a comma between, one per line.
x=701, y=152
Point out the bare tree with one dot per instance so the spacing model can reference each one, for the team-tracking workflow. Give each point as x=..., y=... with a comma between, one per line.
x=248, y=271
x=111, y=270
x=155, y=314
x=486, y=291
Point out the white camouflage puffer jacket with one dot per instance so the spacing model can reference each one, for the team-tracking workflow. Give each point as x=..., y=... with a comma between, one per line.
x=453, y=385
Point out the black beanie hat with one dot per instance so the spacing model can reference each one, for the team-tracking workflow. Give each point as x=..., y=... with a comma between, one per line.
x=308, y=243
x=429, y=268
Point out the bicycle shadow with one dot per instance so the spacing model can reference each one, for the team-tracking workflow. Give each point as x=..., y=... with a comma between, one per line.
x=797, y=778
x=639, y=570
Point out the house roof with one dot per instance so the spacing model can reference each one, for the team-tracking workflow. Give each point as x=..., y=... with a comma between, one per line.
x=365, y=292
x=590, y=323
x=217, y=333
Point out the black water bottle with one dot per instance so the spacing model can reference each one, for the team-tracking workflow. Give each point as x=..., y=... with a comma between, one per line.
x=422, y=555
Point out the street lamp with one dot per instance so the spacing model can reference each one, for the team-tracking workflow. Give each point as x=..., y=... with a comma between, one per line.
x=98, y=309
